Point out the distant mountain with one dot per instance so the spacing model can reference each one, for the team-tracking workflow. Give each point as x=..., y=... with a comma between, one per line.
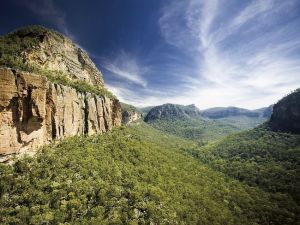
x=189, y=122
x=286, y=114
x=145, y=110
x=172, y=111
x=239, y=117
x=222, y=112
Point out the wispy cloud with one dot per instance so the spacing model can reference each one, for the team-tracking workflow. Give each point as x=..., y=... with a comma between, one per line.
x=244, y=52
x=126, y=67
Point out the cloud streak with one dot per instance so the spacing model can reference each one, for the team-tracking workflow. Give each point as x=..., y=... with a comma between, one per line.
x=243, y=54
x=126, y=67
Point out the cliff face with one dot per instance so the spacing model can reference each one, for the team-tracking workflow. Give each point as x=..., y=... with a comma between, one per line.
x=55, y=52
x=130, y=116
x=129, y=113
x=33, y=110
x=286, y=114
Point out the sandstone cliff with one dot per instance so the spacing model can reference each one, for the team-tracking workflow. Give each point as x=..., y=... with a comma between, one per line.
x=129, y=113
x=35, y=111
x=130, y=116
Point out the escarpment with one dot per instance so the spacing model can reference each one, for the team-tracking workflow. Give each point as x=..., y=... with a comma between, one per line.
x=286, y=114
x=35, y=110
x=129, y=113
x=130, y=116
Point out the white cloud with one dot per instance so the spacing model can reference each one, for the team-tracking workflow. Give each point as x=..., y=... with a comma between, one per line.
x=126, y=66
x=248, y=72
x=254, y=9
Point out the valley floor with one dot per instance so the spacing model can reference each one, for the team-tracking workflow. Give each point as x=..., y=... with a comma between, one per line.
x=139, y=175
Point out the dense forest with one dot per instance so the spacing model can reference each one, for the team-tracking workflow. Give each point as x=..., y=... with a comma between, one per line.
x=138, y=175
x=191, y=123
x=194, y=128
x=174, y=166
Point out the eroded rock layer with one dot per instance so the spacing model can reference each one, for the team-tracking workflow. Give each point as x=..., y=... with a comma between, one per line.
x=34, y=111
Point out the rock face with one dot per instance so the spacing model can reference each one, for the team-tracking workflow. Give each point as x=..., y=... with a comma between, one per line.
x=286, y=114
x=130, y=116
x=34, y=111
x=172, y=111
x=129, y=113
x=55, y=52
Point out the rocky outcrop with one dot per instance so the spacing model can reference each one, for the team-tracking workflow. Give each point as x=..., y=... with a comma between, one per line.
x=286, y=114
x=34, y=111
x=130, y=116
x=129, y=113
x=54, y=52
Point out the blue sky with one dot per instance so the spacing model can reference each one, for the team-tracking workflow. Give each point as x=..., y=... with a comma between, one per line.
x=204, y=52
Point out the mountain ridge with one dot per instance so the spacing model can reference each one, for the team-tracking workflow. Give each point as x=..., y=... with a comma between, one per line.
x=221, y=112
x=169, y=110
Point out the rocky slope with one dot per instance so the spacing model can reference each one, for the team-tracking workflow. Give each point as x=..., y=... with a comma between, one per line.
x=35, y=111
x=286, y=114
x=47, y=49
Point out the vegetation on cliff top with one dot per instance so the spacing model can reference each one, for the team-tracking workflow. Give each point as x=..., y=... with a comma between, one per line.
x=15, y=44
x=134, y=175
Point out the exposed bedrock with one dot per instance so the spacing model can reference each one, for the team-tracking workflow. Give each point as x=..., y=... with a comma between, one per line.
x=34, y=111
